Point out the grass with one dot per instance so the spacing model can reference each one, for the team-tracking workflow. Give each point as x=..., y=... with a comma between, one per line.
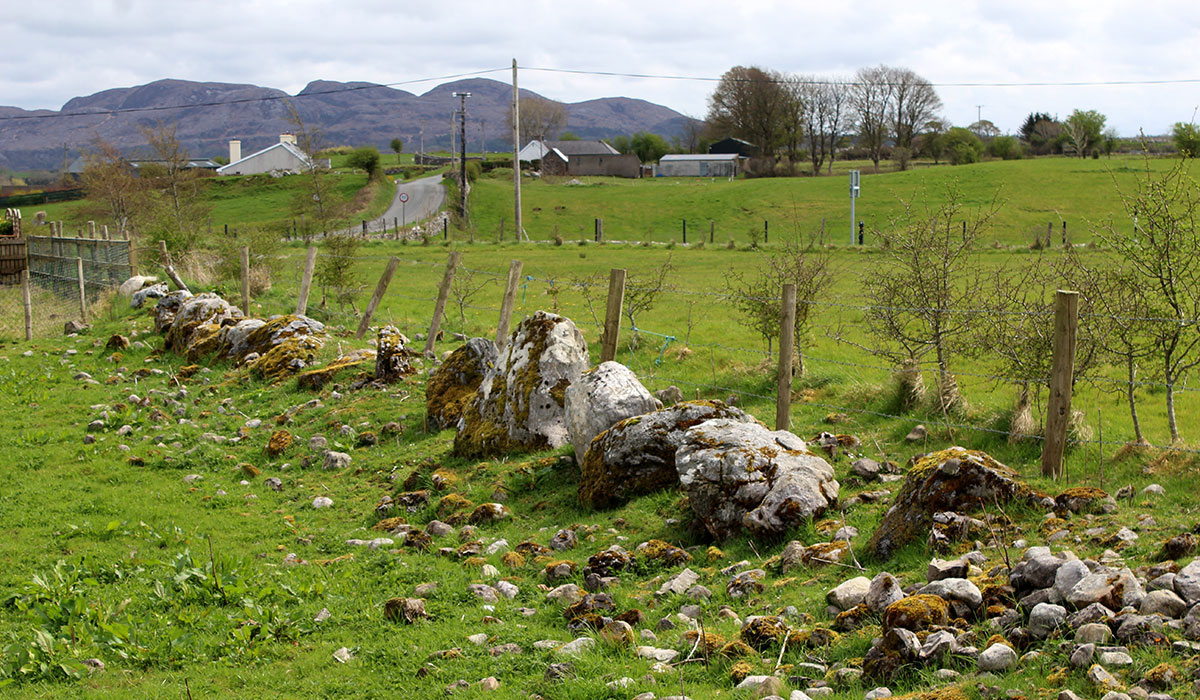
x=128, y=527
x=1033, y=192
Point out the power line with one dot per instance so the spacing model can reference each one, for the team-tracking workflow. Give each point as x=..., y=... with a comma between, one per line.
x=244, y=100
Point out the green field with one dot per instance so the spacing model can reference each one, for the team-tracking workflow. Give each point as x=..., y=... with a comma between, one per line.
x=181, y=587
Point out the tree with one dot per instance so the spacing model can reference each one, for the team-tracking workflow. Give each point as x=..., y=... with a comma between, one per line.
x=1005, y=148
x=648, y=147
x=1029, y=126
x=642, y=291
x=823, y=105
x=109, y=179
x=692, y=135
x=748, y=103
x=1163, y=255
x=924, y=280
x=984, y=129
x=932, y=141
x=871, y=100
x=366, y=158
x=756, y=293
x=622, y=144
x=314, y=199
x=176, y=209
x=1084, y=129
x=962, y=146
x=1186, y=138
x=915, y=103
x=397, y=146
x=541, y=119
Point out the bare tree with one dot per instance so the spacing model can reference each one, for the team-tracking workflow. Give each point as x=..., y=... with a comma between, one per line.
x=749, y=104
x=314, y=200
x=756, y=293
x=464, y=288
x=176, y=208
x=871, y=98
x=642, y=291
x=1163, y=256
x=915, y=103
x=824, y=110
x=541, y=119
x=109, y=179
x=918, y=292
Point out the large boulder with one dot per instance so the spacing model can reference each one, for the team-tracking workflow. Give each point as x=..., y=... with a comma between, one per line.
x=604, y=396
x=243, y=339
x=135, y=283
x=454, y=383
x=167, y=307
x=200, y=310
x=139, y=297
x=955, y=479
x=392, y=356
x=740, y=476
x=637, y=455
x=520, y=403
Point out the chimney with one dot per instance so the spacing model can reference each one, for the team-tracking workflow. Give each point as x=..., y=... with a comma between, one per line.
x=235, y=151
x=287, y=138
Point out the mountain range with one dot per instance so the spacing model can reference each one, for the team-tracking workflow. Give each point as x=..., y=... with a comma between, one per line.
x=208, y=115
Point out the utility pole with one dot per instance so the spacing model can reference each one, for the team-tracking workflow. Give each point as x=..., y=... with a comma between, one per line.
x=516, y=143
x=462, y=173
x=422, y=142
x=453, y=146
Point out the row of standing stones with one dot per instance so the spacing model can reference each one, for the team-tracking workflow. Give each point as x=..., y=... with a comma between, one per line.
x=740, y=477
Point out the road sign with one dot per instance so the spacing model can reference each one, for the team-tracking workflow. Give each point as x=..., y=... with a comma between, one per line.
x=403, y=197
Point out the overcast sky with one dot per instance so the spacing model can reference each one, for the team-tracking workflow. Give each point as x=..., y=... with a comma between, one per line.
x=67, y=48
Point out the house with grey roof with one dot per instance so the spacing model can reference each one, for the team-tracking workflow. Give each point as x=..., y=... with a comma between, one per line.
x=282, y=157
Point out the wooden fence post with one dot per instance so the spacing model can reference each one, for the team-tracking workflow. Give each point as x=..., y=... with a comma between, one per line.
x=246, y=280
x=1058, y=414
x=306, y=281
x=612, y=316
x=712, y=230
x=27, y=300
x=384, y=280
x=82, y=290
x=440, y=305
x=599, y=230
x=166, y=261
x=787, y=344
x=506, y=306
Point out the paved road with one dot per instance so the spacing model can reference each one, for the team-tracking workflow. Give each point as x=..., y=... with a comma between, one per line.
x=425, y=197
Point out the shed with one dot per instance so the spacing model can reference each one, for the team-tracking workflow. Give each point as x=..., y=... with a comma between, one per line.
x=280, y=157
x=732, y=145
x=700, y=165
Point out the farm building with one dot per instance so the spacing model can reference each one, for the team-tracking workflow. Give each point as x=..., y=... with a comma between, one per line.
x=700, y=165
x=536, y=150
x=732, y=145
x=587, y=158
x=285, y=157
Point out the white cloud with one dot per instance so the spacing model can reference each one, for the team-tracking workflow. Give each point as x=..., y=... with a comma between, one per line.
x=95, y=45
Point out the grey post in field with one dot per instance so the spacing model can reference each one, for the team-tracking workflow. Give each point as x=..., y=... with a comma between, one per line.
x=506, y=306
x=612, y=316
x=1058, y=414
x=82, y=290
x=440, y=305
x=787, y=343
x=380, y=289
x=310, y=262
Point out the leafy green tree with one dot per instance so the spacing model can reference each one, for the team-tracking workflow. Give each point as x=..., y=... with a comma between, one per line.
x=621, y=143
x=749, y=104
x=1187, y=139
x=962, y=146
x=1005, y=148
x=1084, y=130
x=649, y=147
x=366, y=158
x=397, y=146
x=932, y=141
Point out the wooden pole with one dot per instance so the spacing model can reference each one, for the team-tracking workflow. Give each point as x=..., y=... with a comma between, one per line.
x=246, y=280
x=166, y=260
x=516, y=141
x=306, y=281
x=384, y=280
x=440, y=305
x=82, y=290
x=612, y=316
x=27, y=299
x=506, y=306
x=787, y=343
x=1062, y=378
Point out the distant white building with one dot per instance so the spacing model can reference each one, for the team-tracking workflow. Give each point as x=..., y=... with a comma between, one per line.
x=699, y=165
x=283, y=157
x=536, y=150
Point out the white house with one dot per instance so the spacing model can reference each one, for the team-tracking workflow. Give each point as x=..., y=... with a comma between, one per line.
x=536, y=150
x=284, y=157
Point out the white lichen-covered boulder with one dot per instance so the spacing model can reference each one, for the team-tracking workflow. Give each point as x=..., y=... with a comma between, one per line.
x=520, y=403
x=167, y=307
x=637, y=455
x=392, y=355
x=200, y=310
x=275, y=331
x=454, y=383
x=604, y=396
x=133, y=284
x=742, y=477
x=235, y=339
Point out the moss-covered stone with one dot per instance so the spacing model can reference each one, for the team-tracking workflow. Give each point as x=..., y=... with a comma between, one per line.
x=286, y=358
x=736, y=649
x=454, y=383
x=739, y=671
x=1083, y=499
x=513, y=560
x=317, y=378
x=452, y=503
x=762, y=633
x=663, y=553
x=954, y=479
x=389, y=524
x=194, y=312
x=917, y=613
x=852, y=619
x=280, y=442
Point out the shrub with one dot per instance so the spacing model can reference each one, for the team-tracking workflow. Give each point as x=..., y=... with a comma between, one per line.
x=1005, y=148
x=474, y=170
x=367, y=159
x=962, y=146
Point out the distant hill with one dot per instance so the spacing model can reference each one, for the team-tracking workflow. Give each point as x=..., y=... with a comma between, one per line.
x=210, y=114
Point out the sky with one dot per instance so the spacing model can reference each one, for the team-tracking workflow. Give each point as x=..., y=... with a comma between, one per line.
x=1001, y=48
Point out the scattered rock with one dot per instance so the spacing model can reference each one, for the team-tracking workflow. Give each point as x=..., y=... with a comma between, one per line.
x=997, y=658
x=849, y=593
